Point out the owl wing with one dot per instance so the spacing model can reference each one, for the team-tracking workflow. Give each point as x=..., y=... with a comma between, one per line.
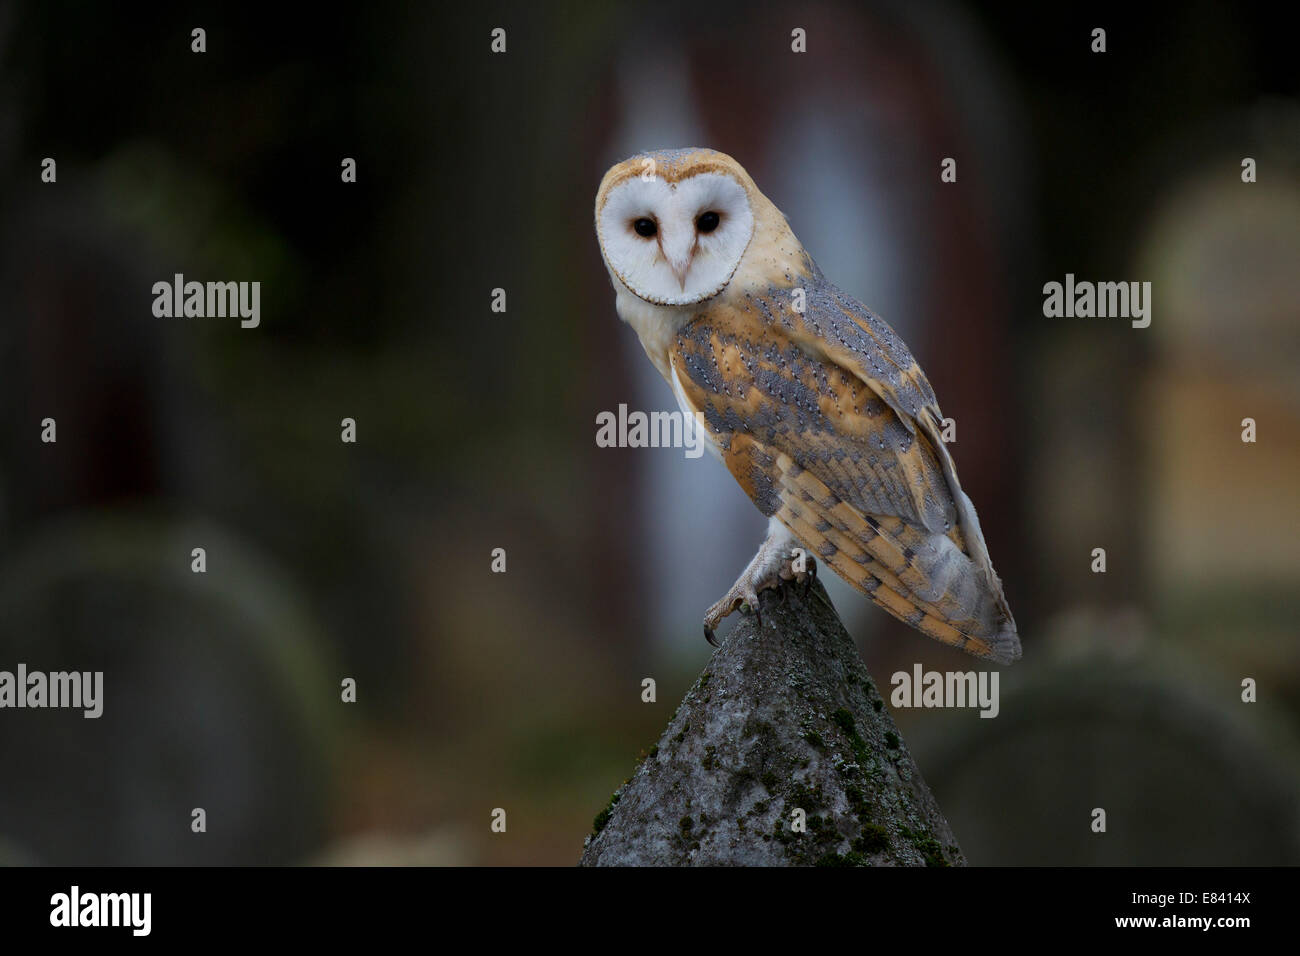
x=828, y=423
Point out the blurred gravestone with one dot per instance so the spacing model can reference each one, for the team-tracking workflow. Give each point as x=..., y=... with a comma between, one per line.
x=213, y=696
x=1184, y=771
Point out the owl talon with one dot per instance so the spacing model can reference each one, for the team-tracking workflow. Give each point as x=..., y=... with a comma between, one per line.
x=771, y=568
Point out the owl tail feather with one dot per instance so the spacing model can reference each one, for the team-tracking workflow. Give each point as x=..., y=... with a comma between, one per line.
x=922, y=579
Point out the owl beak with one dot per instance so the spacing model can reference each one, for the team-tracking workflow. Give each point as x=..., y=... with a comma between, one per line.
x=678, y=249
x=680, y=267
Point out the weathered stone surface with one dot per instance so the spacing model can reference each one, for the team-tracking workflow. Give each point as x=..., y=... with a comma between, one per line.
x=784, y=716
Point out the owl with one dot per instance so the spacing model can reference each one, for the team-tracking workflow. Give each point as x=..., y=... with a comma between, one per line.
x=809, y=399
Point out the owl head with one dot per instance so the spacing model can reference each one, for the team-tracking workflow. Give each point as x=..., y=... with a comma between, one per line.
x=673, y=224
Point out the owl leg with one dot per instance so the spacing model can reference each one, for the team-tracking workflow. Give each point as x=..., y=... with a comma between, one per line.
x=771, y=567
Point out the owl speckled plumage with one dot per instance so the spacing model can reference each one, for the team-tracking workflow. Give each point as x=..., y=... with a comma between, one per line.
x=812, y=402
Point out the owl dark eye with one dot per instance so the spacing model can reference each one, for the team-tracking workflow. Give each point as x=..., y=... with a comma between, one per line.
x=645, y=227
x=707, y=222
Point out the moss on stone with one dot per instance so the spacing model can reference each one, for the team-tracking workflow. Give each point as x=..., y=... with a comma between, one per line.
x=602, y=818
x=845, y=721
x=872, y=839
x=925, y=843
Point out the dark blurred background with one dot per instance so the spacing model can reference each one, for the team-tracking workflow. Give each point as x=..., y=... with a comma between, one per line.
x=475, y=429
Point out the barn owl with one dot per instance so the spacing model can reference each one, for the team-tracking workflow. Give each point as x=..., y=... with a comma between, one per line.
x=810, y=400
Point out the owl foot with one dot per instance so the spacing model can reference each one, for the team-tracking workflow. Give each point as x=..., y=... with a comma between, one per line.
x=772, y=567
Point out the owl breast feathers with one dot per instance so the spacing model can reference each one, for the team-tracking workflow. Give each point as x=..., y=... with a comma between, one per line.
x=819, y=411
